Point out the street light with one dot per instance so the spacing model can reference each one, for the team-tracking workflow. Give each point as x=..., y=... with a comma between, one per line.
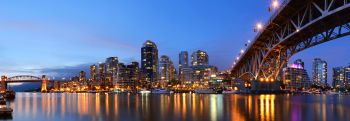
x=275, y=4
x=258, y=27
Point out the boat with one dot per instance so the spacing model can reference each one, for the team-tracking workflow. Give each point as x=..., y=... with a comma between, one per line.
x=229, y=92
x=161, y=91
x=205, y=91
x=5, y=111
x=144, y=91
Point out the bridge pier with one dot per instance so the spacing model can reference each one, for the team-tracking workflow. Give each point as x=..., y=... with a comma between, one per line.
x=44, y=84
x=3, y=84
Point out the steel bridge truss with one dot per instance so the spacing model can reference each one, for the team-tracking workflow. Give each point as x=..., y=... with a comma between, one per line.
x=317, y=22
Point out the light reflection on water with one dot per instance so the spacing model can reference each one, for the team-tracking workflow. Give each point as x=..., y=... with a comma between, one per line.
x=176, y=107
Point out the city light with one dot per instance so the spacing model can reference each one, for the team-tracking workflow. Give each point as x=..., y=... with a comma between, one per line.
x=258, y=27
x=275, y=4
x=242, y=51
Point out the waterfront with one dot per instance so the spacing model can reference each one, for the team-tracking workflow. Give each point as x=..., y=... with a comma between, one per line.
x=176, y=107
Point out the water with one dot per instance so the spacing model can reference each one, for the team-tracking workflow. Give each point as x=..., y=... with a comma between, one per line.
x=177, y=107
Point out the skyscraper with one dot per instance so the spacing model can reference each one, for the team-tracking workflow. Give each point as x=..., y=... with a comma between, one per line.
x=149, y=62
x=167, y=71
x=134, y=75
x=183, y=59
x=112, y=70
x=93, y=72
x=319, y=72
x=185, y=72
x=102, y=72
x=200, y=58
x=338, y=77
x=347, y=76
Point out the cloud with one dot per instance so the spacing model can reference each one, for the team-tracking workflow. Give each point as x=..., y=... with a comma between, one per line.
x=67, y=71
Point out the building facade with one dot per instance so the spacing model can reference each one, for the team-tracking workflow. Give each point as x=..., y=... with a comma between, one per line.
x=319, y=72
x=167, y=71
x=200, y=58
x=295, y=76
x=149, y=62
x=338, y=77
x=111, y=70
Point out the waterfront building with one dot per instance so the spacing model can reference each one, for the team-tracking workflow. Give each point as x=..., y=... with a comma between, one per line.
x=122, y=77
x=295, y=76
x=347, y=76
x=93, y=73
x=200, y=58
x=149, y=63
x=134, y=75
x=167, y=71
x=82, y=77
x=319, y=72
x=102, y=73
x=111, y=70
x=185, y=72
x=202, y=73
x=338, y=77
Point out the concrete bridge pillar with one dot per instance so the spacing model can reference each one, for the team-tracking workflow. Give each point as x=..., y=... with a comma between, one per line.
x=43, y=84
x=3, y=84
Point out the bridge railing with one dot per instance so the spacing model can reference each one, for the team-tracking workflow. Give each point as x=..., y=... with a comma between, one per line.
x=274, y=15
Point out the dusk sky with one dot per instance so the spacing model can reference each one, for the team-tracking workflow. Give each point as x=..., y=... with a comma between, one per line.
x=41, y=36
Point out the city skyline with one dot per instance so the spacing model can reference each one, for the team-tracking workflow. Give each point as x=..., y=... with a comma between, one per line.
x=51, y=41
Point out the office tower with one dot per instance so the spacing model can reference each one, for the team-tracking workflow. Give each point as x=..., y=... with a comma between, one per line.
x=184, y=70
x=149, y=62
x=122, y=76
x=319, y=72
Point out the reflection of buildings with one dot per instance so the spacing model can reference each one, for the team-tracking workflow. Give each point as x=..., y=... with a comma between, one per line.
x=149, y=62
x=295, y=76
x=167, y=71
x=319, y=72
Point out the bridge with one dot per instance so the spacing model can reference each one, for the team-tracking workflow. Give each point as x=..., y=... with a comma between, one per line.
x=26, y=78
x=295, y=26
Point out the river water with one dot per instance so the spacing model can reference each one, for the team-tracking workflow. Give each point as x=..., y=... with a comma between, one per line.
x=178, y=107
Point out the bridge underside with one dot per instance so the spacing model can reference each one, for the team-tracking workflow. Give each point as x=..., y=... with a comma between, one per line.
x=299, y=25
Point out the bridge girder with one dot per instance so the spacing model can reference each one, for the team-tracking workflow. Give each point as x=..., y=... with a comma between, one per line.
x=316, y=22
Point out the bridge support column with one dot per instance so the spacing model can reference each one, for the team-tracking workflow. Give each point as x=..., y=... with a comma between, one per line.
x=43, y=84
x=3, y=84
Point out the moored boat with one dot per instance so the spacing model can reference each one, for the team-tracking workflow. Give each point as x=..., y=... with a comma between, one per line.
x=161, y=91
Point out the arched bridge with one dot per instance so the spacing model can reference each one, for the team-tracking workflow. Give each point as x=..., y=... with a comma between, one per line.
x=23, y=78
x=297, y=25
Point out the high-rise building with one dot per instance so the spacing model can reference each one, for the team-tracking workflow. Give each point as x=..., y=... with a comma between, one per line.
x=93, y=72
x=149, y=62
x=319, y=72
x=338, y=77
x=134, y=75
x=200, y=58
x=102, y=73
x=295, y=76
x=122, y=77
x=167, y=71
x=185, y=71
x=82, y=77
x=347, y=76
x=111, y=70
x=183, y=59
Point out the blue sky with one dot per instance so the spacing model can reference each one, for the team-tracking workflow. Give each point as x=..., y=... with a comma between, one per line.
x=40, y=36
